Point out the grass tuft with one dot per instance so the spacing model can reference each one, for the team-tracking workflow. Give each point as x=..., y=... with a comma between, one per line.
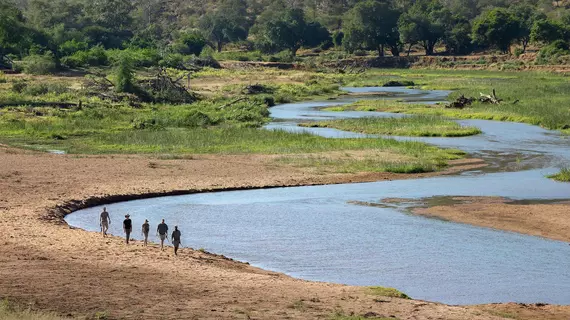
x=387, y=292
x=417, y=126
x=562, y=176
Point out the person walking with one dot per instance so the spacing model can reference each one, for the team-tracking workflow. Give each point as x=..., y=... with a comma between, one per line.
x=176, y=239
x=127, y=227
x=162, y=230
x=104, y=221
x=145, y=231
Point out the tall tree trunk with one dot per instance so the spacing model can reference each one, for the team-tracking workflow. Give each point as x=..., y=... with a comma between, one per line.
x=219, y=45
x=395, y=51
x=381, y=50
x=409, y=49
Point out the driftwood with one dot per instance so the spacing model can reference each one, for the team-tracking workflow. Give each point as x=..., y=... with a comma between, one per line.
x=460, y=103
x=489, y=98
x=230, y=103
x=464, y=102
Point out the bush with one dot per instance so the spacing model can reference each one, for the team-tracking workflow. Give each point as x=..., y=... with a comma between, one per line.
x=95, y=56
x=203, y=62
x=283, y=56
x=360, y=53
x=38, y=64
x=38, y=89
x=337, y=38
x=196, y=118
x=553, y=51
x=70, y=47
x=190, y=43
x=172, y=60
x=125, y=75
x=139, y=57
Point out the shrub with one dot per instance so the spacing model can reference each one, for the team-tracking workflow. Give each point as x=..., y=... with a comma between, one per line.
x=95, y=56
x=38, y=64
x=139, y=57
x=196, y=118
x=337, y=38
x=360, y=53
x=70, y=47
x=190, y=43
x=550, y=53
x=19, y=86
x=283, y=56
x=172, y=60
x=203, y=62
x=125, y=75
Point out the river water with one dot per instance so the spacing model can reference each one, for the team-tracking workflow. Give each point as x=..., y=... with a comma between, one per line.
x=315, y=233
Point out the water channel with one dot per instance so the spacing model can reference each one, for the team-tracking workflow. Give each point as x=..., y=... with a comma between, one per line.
x=315, y=233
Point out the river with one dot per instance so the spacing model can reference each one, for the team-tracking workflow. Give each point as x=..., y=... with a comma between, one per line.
x=315, y=233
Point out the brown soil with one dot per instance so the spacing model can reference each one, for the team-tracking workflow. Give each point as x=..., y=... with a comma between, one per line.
x=545, y=220
x=48, y=265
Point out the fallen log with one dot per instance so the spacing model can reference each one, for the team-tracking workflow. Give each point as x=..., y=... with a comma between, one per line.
x=460, y=103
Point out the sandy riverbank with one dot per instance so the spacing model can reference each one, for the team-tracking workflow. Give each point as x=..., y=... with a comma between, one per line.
x=548, y=220
x=48, y=265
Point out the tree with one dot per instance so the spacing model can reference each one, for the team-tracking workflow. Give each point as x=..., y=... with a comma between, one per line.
x=496, y=28
x=546, y=31
x=373, y=24
x=457, y=39
x=525, y=15
x=191, y=43
x=226, y=24
x=291, y=31
x=425, y=22
x=125, y=75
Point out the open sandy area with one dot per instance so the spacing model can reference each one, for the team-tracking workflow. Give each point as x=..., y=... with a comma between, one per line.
x=49, y=266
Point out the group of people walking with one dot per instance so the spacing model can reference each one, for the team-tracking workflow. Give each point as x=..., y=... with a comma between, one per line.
x=162, y=230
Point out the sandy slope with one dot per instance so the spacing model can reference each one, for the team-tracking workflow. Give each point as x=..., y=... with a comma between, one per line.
x=47, y=264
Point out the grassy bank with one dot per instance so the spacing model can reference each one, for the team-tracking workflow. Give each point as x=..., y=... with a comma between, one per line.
x=539, y=98
x=9, y=312
x=417, y=126
x=562, y=176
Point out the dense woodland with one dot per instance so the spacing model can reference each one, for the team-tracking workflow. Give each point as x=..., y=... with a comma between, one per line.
x=83, y=33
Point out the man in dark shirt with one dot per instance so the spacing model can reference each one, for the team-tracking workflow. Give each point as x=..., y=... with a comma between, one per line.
x=128, y=226
x=162, y=230
x=176, y=239
x=145, y=230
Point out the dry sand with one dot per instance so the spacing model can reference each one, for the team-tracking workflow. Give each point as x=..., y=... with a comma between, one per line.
x=48, y=265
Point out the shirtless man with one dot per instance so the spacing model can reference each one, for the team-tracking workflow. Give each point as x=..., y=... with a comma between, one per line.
x=176, y=239
x=104, y=221
x=162, y=230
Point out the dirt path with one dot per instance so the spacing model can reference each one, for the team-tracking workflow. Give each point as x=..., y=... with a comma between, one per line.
x=48, y=265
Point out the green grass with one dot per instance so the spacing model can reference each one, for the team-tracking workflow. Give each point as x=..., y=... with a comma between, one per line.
x=417, y=126
x=562, y=176
x=387, y=292
x=8, y=312
x=542, y=98
x=340, y=315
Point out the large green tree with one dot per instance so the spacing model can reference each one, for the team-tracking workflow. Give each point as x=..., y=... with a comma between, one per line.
x=372, y=24
x=226, y=24
x=291, y=31
x=425, y=23
x=526, y=15
x=496, y=28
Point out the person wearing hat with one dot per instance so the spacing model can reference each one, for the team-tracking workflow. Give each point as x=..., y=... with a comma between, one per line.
x=145, y=230
x=128, y=226
x=176, y=239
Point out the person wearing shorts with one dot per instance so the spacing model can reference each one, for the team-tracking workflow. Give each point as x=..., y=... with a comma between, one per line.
x=104, y=221
x=176, y=239
x=162, y=230
x=128, y=227
x=145, y=230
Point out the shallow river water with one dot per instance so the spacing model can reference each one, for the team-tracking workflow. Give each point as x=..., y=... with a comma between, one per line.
x=315, y=233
